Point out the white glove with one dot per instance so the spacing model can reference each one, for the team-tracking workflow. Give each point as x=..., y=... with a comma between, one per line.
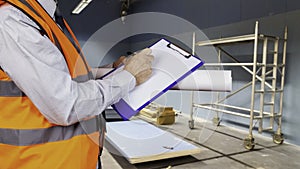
x=140, y=65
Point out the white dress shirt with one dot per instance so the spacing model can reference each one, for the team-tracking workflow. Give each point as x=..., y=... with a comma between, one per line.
x=39, y=69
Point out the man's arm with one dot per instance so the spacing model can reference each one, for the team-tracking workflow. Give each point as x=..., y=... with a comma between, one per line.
x=38, y=68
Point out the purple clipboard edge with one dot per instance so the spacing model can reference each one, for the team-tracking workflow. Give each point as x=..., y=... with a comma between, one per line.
x=127, y=112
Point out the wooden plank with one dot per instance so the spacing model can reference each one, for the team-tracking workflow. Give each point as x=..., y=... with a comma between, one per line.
x=139, y=141
x=149, y=113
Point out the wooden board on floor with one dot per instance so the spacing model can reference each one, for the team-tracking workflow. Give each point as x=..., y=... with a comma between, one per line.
x=139, y=141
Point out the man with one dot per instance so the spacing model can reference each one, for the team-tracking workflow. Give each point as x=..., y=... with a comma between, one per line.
x=46, y=88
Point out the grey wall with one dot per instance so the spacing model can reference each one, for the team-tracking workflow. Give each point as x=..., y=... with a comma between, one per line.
x=217, y=18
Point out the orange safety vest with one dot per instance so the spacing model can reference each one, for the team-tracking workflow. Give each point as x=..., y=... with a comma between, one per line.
x=27, y=139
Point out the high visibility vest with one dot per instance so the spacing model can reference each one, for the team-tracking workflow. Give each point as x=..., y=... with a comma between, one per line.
x=27, y=139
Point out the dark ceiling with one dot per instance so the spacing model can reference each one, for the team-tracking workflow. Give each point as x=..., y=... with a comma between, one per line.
x=94, y=16
x=202, y=13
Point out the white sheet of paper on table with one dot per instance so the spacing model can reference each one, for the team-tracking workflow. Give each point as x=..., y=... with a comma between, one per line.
x=139, y=141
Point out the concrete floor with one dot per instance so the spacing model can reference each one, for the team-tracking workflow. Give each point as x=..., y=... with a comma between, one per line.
x=222, y=148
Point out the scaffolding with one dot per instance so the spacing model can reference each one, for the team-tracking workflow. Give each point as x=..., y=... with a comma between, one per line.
x=268, y=72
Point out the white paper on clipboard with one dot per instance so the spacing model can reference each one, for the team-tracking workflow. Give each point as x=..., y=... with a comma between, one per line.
x=171, y=64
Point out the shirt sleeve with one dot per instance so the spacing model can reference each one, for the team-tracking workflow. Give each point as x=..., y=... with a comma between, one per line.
x=39, y=69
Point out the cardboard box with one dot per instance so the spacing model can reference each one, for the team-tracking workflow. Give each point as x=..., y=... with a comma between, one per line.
x=166, y=117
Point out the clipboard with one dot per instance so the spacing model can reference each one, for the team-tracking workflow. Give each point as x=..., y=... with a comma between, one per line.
x=171, y=64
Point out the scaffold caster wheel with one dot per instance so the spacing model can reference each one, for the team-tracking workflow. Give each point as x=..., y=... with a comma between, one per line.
x=191, y=124
x=216, y=121
x=278, y=138
x=249, y=143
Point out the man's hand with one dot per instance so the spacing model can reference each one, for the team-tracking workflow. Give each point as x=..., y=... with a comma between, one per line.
x=140, y=65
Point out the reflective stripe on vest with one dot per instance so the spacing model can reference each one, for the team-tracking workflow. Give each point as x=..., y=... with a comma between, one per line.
x=9, y=89
x=27, y=139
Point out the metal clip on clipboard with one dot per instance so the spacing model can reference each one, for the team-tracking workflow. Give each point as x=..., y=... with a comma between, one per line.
x=179, y=50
